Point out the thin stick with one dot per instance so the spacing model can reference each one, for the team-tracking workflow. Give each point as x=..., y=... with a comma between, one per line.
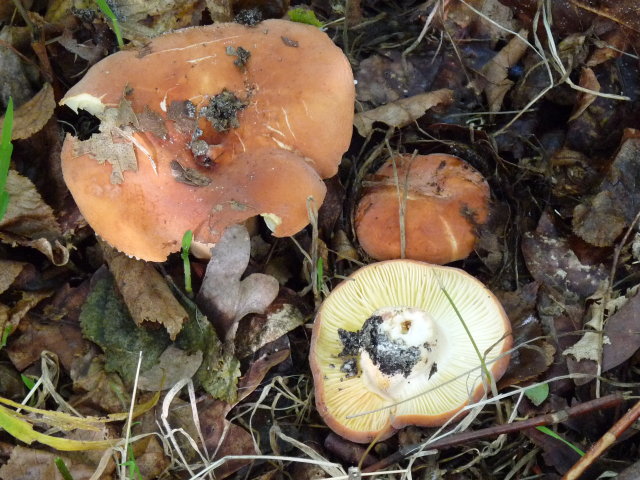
x=603, y=443
x=549, y=419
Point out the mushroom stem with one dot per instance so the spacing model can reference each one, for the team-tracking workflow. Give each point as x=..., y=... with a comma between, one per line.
x=394, y=346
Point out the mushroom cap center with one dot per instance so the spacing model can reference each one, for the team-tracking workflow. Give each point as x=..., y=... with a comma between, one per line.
x=394, y=346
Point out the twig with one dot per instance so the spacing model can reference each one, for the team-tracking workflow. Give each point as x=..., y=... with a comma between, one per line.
x=603, y=443
x=549, y=419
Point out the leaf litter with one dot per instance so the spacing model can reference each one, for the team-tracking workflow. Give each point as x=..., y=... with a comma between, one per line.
x=551, y=123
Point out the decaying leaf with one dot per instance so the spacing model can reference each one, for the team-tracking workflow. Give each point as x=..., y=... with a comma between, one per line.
x=599, y=220
x=31, y=464
x=145, y=292
x=552, y=262
x=95, y=387
x=223, y=297
x=496, y=71
x=218, y=374
x=282, y=316
x=31, y=116
x=114, y=142
x=589, y=81
x=29, y=221
x=87, y=50
x=623, y=330
x=9, y=271
x=106, y=321
x=173, y=365
x=402, y=112
x=10, y=317
x=37, y=335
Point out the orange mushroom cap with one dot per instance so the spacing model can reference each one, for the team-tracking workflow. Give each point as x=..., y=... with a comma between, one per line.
x=219, y=135
x=446, y=199
x=388, y=348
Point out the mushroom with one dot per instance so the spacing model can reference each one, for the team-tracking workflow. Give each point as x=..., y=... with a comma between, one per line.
x=205, y=127
x=445, y=199
x=388, y=348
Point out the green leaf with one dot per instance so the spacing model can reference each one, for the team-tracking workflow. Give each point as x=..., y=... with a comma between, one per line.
x=537, y=394
x=304, y=15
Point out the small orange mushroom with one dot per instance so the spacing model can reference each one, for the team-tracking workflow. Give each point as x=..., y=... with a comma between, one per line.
x=389, y=349
x=444, y=200
x=206, y=127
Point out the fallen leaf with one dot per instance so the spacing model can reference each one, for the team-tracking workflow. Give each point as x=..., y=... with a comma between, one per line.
x=32, y=116
x=106, y=321
x=589, y=81
x=600, y=219
x=173, y=365
x=9, y=271
x=29, y=221
x=10, y=317
x=623, y=330
x=402, y=112
x=496, y=71
x=382, y=79
x=282, y=316
x=32, y=464
x=145, y=292
x=37, y=334
x=96, y=388
x=113, y=144
x=223, y=297
x=552, y=262
x=87, y=50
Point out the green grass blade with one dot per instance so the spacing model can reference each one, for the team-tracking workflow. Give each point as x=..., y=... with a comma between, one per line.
x=6, y=149
x=187, y=238
x=553, y=434
x=106, y=10
x=62, y=468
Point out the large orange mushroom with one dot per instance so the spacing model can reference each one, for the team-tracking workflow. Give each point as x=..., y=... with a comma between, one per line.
x=443, y=198
x=206, y=127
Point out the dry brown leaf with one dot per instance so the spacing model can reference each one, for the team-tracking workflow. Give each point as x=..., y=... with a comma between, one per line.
x=37, y=335
x=87, y=51
x=32, y=464
x=9, y=271
x=552, y=262
x=402, y=112
x=145, y=292
x=623, y=330
x=113, y=144
x=496, y=71
x=282, y=316
x=27, y=214
x=223, y=297
x=10, y=317
x=31, y=116
x=173, y=365
x=587, y=80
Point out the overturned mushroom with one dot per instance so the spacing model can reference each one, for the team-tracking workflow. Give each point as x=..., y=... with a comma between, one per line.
x=389, y=349
x=208, y=126
x=444, y=200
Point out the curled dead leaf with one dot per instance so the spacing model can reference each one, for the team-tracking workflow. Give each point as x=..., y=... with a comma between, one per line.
x=145, y=292
x=402, y=112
